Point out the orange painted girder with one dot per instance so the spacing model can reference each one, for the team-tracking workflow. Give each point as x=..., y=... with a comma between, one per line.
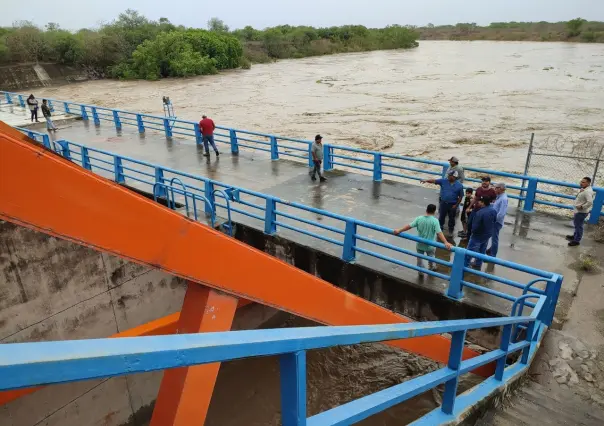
x=43, y=191
x=185, y=393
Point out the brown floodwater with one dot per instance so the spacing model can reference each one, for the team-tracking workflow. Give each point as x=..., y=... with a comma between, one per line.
x=247, y=391
x=477, y=100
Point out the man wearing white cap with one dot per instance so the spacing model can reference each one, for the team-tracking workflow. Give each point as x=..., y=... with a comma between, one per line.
x=501, y=207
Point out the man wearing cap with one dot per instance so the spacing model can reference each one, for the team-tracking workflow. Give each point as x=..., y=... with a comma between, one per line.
x=501, y=207
x=454, y=166
x=451, y=194
x=316, y=151
x=483, y=227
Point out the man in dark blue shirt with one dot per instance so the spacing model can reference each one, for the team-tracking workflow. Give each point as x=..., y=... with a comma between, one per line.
x=451, y=194
x=483, y=228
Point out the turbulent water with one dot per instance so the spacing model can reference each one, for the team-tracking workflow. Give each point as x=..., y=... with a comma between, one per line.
x=477, y=100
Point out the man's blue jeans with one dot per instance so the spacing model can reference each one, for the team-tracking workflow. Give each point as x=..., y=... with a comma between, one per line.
x=209, y=139
x=478, y=245
x=446, y=209
x=495, y=240
x=579, y=222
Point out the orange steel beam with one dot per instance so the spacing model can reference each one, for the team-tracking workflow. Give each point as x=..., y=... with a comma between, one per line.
x=185, y=393
x=44, y=191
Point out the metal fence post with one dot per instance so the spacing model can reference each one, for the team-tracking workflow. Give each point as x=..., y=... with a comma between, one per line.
x=46, y=141
x=327, y=158
x=292, y=373
x=167, y=128
x=21, y=101
x=198, y=135
x=209, y=194
x=118, y=169
x=270, y=216
x=455, y=353
x=377, y=167
x=64, y=149
x=595, y=176
x=350, y=240
x=66, y=107
x=274, y=148
x=51, y=106
x=86, y=159
x=506, y=336
x=139, y=122
x=455, y=290
x=552, y=292
x=9, y=100
x=311, y=162
x=116, y=120
x=527, y=165
x=234, y=144
x=443, y=173
x=95, y=117
x=83, y=112
x=159, y=178
x=531, y=193
x=598, y=206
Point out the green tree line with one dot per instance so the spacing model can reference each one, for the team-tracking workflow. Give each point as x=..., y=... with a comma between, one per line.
x=133, y=46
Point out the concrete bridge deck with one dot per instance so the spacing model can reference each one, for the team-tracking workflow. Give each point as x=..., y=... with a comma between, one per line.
x=534, y=239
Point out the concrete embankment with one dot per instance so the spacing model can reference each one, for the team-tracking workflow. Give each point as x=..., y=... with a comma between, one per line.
x=22, y=76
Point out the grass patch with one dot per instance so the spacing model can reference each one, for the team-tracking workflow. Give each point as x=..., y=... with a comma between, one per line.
x=587, y=263
x=599, y=234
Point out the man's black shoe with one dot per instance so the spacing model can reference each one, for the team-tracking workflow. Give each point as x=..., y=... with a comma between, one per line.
x=570, y=237
x=322, y=179
x=573, y=243
x=313, y=178
x=207, y=154
x=217, y=153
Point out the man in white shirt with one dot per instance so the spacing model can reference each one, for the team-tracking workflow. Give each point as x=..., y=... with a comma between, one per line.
x=583, y=204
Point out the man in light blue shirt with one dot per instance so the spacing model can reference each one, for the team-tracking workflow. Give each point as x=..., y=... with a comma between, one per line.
x=501, y=207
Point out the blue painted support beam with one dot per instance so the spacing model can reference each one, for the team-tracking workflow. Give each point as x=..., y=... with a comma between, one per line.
x=455, y=290
x=167, y=128
x=506, y=336
x=64, y=149
x=118, y=169
x=85, y=158
x=327, y=157
x=31, y=364
x=198, y=135
x=116, y=120
x=139, y=122
x=95, y=116
x=293, y=388
x=209, y=194
x=270, y=216
x=234, y=144
x=21, y=101
x=66, y=107
x=9, y=100
x=46, y=141
x=455, y=353
x=51, y=106
x=83, y=112
x=531, y=193
x=597, y=207
x=377, y=167
x=160, y=190
x=350, y=240
x=274, y=148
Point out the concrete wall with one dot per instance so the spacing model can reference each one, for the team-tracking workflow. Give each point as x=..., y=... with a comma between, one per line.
x=17, y=77
x=52, y=289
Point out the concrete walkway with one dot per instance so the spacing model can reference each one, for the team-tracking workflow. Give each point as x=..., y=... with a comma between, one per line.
x=536, y=240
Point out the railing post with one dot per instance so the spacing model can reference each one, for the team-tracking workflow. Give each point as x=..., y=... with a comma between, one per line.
x=86, y=159
x=274, y=148
x=116, y=120
x=65, y=149
x=9, y=100
x=531, y=193
x=21, y=101
x=455, y=290
x=141, y=125
x=350, y=240
x=51, y=106
x=455, y=353
x=327, y=158
x=95, y=117
x=83, y=112
x=443, y=173
x=46, y=141
x=530, y=330
x=377, y=167
x=292, y=373
x=66, y=107
x=118, y=169
x=506, y=336
x=234, y=144
x=270, y=216
x=552, y=291
x=167, y=128
x=159, y=178
x=311, y=163
x=209, y=193
x=597, y=207
x=198, y=135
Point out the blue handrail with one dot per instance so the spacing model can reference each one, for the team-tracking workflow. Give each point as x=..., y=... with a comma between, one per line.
x=31, y=364
x=377, y=164
x=347, y=231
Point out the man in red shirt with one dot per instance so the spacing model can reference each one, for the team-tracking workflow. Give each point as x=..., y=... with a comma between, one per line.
x=207, y=127
x=484, y=190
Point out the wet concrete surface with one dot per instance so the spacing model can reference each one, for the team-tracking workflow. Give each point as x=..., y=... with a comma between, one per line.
x=534, y=239
x=20, y=117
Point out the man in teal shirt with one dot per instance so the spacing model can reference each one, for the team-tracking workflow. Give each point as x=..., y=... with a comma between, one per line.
x=428, y=228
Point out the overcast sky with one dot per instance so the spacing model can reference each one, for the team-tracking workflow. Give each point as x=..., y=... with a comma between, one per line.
x=72, y=14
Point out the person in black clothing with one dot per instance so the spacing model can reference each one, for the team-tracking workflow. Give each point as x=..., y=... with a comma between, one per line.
x=464, y=216
x=46, y=113
x=32, y=103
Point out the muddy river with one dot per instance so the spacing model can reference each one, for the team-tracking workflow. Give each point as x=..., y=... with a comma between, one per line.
x=477, y=100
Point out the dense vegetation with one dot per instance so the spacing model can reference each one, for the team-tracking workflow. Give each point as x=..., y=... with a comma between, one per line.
x=133, y=46
x=576, y=30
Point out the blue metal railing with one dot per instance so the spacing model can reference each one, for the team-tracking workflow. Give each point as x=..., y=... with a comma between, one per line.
x=528, y=189
x=32, y=364
x=347, y=235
